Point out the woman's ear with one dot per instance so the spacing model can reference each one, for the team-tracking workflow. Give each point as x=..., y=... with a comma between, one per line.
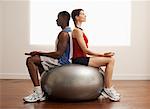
x=76, y=17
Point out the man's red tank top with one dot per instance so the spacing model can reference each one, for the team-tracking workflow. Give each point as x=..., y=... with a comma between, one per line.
x=77, y=51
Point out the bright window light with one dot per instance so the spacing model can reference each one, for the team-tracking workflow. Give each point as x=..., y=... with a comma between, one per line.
x=108, y=21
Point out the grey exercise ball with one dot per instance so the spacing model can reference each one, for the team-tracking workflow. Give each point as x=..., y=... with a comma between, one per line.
x=72, y=82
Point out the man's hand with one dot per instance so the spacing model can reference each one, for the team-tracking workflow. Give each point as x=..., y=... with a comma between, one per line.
x=33, y=53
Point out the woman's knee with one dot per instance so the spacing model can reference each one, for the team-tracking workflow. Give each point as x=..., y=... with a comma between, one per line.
x=112, y=59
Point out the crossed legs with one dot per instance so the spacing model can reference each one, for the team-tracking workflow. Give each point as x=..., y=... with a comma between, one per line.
x=34, y=66
x=108, y=91
x=104, y=61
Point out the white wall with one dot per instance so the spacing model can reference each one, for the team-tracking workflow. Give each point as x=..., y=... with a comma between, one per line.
x=15, y=39
x=148, y=34
x=131, y=62
x=1, y=37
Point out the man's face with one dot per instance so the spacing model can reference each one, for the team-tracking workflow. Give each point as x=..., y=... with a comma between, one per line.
x=60, y=20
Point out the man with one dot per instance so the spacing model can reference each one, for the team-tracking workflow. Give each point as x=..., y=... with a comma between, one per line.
x=41, y=61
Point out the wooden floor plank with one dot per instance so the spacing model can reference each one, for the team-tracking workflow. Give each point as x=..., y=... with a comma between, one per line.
x=135, y=95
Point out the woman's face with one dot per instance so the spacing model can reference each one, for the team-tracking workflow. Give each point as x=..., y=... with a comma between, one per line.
x=81, y=17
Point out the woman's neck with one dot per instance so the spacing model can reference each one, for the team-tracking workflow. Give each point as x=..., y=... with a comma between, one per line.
x=78, y=25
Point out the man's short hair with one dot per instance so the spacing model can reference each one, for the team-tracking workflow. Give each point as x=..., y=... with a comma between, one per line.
x=66, y=15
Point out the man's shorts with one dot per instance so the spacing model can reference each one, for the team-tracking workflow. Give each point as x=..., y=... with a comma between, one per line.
x=49, y=63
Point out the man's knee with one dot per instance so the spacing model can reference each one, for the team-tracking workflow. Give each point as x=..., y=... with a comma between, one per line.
x=28, y=60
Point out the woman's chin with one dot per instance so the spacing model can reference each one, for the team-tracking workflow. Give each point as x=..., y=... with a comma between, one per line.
x=84, y=21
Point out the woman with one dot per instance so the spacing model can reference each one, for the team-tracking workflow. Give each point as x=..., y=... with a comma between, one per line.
x=80, y=52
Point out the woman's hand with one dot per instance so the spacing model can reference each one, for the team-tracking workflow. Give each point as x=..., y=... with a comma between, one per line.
x=109, y=54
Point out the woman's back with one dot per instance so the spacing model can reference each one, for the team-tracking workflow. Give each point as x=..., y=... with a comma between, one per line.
x=77, y=51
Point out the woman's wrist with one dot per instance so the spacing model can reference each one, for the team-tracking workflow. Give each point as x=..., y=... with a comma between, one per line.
x=100, y=54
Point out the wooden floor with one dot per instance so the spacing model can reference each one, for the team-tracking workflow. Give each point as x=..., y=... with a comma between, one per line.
x=135, y=95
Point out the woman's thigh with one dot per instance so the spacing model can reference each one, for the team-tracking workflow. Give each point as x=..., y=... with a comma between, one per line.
x=99, y=61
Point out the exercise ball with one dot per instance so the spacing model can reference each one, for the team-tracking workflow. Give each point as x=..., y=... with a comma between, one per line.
x=72, y=82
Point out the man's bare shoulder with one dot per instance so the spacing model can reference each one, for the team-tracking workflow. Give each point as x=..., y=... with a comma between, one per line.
x=63, y=35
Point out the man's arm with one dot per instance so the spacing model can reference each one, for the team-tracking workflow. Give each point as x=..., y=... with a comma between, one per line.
x=61, y=46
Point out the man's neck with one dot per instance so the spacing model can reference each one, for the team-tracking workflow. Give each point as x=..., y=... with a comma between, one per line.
x=63, y=27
